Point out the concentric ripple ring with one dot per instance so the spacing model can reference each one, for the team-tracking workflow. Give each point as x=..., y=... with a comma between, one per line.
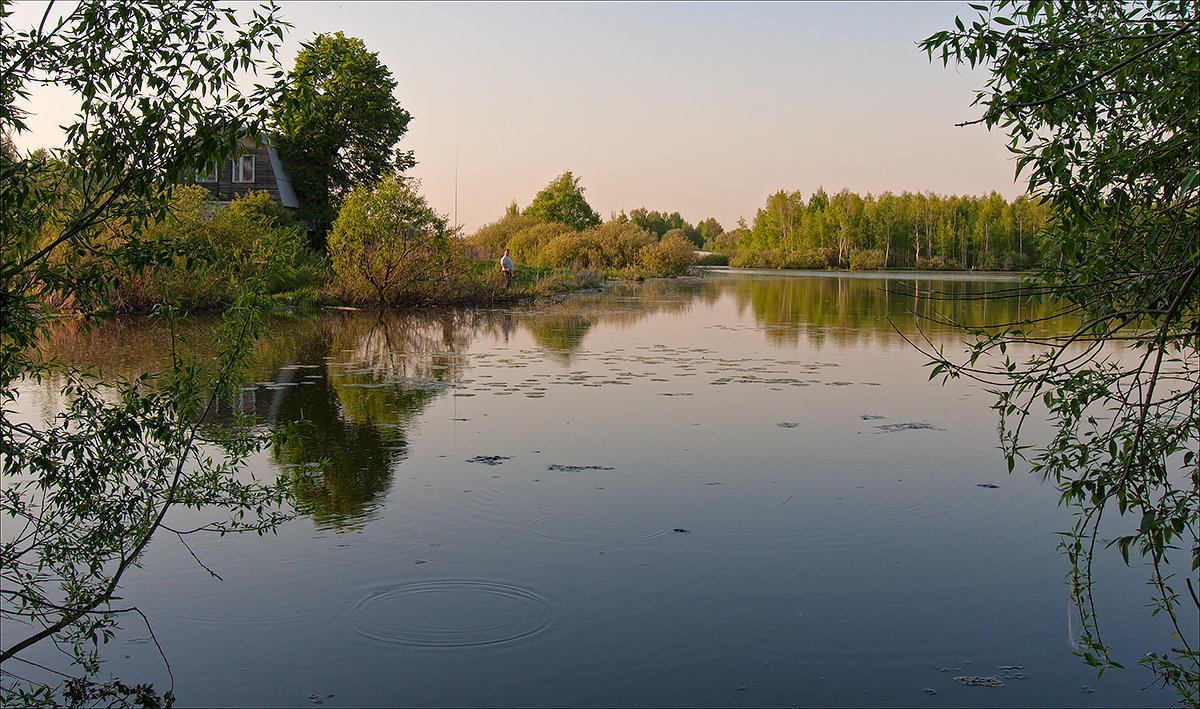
x=450, y=613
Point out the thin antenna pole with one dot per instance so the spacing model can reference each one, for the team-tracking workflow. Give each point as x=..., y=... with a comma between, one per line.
x=456, y=224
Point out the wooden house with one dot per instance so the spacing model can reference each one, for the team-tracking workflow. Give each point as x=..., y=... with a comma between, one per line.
x=257, y=167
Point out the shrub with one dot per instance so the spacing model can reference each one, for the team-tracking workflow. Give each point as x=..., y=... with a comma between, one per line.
x=866, y=259
x=1005, y=260
x=498, y=235
x=748, y=259
x=937, y=263
x=202, y=252
x=611, y=246
x=669, y=257
x=527, y=244
x=388, y=246
x=619, y=245
x=569, y=250
x=713, y=259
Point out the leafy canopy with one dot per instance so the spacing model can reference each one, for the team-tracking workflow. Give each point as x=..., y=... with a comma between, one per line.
x=339, y=124
x=84, y=492
x=1099, y=101
x=562, y=202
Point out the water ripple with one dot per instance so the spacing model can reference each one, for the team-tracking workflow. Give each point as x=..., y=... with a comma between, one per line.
x=575, y=527
x=450, y=613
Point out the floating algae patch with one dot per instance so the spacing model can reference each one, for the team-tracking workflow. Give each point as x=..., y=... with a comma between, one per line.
x=992, y=681
x=751, y=379
x=489, y=459
x=908, y=426
x=576, y=468
x=422, y=384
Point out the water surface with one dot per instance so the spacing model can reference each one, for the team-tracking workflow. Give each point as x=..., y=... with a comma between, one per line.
x=733, y=491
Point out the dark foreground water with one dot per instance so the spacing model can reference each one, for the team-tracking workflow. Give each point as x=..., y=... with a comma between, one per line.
x=735, y=491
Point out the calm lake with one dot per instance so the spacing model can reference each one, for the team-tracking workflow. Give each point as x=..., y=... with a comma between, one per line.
x=737, y=490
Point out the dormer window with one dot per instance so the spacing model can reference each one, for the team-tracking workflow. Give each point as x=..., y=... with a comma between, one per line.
x=243, y=168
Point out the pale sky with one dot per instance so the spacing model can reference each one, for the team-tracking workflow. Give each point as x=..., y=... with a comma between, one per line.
x=704, y=108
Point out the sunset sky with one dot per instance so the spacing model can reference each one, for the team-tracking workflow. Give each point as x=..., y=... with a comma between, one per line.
x=700, y=108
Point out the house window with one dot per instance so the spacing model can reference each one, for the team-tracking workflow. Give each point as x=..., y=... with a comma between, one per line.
x=208, y=173
x=243, y=168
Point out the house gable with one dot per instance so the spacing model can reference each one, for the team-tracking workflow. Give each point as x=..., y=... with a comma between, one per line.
x=257, y=168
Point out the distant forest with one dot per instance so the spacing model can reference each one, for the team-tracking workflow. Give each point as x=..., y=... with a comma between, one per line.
x=909, y=230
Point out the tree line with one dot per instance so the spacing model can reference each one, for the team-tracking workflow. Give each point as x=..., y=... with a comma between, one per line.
x=908, y=230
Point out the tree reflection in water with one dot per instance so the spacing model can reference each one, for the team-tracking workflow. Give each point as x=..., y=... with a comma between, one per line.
x=364, y=385
x=850, y=309
x=358, y=381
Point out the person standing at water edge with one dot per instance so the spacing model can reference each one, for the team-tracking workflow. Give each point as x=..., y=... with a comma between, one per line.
x=506, y=265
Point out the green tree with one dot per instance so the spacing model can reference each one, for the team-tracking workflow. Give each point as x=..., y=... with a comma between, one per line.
x=84, y=493
x=339, y=125
x=775, y=224
x=709, y=229
x=1099, y=104
x=389, y=246
x=562, y=202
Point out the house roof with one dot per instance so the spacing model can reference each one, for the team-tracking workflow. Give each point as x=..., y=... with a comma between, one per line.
x=286, y=194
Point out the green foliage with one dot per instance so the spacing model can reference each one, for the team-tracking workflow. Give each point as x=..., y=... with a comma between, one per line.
x=713, y=259
x=866, y=259
x=559, y=280
x=499, y=235
x=86, y=491
x=659, y=224
x=671, y=256
x=612, y=246
x=727, y=242
x=709, y=229
x=562, y=202
x=909, y=230
x=215, y=249
x=389, y=247
x=339, y=125
x=615, y=247
x=559, y=230
x=1099, y=103
x=527, y=243
x=147, y=120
